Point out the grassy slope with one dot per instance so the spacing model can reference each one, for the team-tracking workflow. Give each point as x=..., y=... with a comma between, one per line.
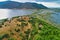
x=48, y=32
x=41, y=30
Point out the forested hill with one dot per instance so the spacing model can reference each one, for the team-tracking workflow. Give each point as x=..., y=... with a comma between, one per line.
x=28, y=28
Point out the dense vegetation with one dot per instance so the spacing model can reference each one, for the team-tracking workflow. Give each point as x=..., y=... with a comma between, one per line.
x=28, y=28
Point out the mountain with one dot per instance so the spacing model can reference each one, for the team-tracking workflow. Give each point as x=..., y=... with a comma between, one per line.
x=27, y=5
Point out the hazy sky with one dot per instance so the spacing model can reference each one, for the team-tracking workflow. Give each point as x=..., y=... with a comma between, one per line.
x=48, y=0
x=48, y=3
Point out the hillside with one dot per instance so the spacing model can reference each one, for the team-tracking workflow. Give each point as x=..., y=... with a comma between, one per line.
x=18, y=5
x=28, y=28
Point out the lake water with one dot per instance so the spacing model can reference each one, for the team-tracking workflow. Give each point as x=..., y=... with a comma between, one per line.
x=55, y=17
x=9, y=13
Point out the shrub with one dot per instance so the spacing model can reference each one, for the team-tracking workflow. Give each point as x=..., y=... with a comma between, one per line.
x=17, y=30
x=5, y=35
x=0, y=26
x=24, y=24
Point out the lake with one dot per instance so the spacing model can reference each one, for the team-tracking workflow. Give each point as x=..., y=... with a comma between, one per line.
x=55, y=17
x=9, y=13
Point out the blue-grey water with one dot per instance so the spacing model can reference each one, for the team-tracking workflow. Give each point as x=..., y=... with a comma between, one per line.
x=55, y=17
x=9, y=13
x=20, y=12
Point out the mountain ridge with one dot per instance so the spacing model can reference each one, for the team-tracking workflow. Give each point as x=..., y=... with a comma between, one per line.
x=20, y=5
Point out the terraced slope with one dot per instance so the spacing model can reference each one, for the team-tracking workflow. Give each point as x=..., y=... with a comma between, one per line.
x=28, y=28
